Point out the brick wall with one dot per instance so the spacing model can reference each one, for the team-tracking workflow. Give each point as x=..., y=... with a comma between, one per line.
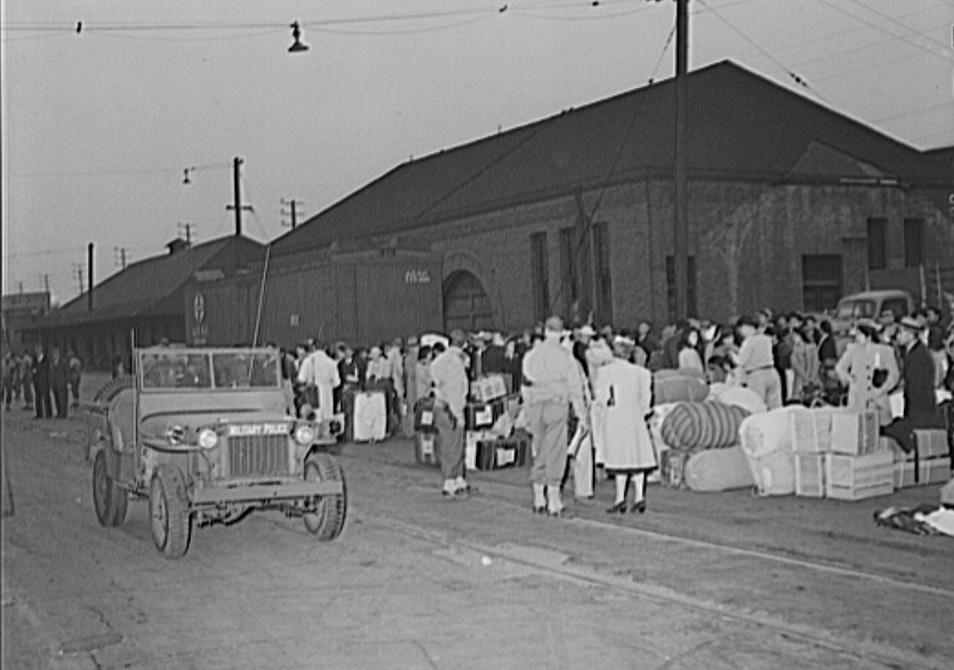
x=764, y=230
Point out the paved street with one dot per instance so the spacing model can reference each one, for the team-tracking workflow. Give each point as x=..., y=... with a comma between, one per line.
x=724, y=581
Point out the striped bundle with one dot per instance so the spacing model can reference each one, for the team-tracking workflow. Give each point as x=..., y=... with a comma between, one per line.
x=702, y=425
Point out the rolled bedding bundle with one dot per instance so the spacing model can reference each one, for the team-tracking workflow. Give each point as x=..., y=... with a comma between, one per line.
x=702, y=425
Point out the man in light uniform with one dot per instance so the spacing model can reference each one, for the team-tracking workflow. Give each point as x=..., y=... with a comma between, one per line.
x=756, y=364
x=449, y=377
x=321, y=371
x=552, y=381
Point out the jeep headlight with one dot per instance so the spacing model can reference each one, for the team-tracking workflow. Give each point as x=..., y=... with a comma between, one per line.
x=304, y=434
x=208, y=438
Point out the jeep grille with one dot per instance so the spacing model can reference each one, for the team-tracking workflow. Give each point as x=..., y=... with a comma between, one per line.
x=258, y=455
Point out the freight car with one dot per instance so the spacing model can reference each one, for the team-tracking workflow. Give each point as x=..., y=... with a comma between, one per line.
x=359, y=296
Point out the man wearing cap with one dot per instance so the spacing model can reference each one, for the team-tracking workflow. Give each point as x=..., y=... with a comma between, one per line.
x=920, y=403
x=756, y=367
x=552, y=381
x=449, y=378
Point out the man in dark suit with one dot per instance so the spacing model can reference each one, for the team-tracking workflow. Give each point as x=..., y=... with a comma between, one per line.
x=41, y=384
x=60, y=383
x=920, y=402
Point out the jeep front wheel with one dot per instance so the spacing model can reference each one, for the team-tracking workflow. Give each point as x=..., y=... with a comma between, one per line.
x=110, y=501
x=327, y=521
x=169, y=516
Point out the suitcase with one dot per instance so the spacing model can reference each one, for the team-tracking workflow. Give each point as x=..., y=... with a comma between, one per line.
x=481, y=416
x=427, y=450
x=424, y=415
x=369, y=420
x=501, y=453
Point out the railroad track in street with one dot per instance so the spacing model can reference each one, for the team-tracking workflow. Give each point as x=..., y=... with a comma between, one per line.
x=884, y=655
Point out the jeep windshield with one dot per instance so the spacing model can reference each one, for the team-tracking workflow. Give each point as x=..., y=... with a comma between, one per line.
x=174, y=369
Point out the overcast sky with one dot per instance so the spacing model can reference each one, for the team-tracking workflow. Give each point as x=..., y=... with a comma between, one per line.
x=98, y=125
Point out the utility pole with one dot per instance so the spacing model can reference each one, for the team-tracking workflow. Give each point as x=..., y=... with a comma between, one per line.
x=119, y=256
x=292, y=211
x=89, y=263
x=78, y=271
x=681, y=250
x=20, y=287
x=187, y=227
x=237, y=206
x=45, y=281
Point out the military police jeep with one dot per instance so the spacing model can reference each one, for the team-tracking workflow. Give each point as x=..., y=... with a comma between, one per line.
x=207, y=437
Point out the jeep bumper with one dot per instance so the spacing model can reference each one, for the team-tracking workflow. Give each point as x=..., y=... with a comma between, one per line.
x=265, y=492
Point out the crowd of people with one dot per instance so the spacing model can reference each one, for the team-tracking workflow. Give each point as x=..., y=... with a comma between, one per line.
x=601, y=379
x=43, y=381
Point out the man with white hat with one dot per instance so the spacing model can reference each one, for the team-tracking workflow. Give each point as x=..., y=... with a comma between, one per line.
x=449, y=376
x=552, y=382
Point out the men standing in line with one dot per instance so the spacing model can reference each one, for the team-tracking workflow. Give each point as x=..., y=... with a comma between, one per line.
x=60, y=383
x=552, y=381
x=41, y=384
x=320, y=371
x=756, y=364
x=450, y=383
x=26, y=379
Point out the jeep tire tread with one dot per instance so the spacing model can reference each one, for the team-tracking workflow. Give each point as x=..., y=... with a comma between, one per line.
x=109, y=499
x=113, y=387
x=169, y=517
x=327, y=521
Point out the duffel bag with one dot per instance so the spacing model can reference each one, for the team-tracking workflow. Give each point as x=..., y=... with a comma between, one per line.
x=702, y=425
x=714, y=470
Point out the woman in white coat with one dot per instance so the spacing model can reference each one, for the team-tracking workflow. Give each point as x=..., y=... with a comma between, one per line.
x=622, y=396
x=871, y=371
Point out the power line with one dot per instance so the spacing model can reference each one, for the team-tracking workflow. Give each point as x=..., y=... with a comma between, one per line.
x=798, y=79
x=893, y=20
x=880, y=29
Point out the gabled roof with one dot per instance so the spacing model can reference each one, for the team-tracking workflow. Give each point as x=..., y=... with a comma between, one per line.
x=742, y=125
x=144, y=286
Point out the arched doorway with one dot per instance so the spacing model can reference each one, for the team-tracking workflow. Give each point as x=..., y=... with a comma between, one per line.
x=466, y=304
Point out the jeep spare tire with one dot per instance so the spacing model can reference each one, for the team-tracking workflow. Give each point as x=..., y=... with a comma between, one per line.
x=169, y=517
x=327, y=521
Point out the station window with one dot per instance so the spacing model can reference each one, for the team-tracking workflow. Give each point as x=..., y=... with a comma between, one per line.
x=540, y=264
x=877, y=243
x=821, y=281
x=913, y=243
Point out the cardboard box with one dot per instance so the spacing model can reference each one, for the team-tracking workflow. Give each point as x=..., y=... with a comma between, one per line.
x=811, y=429
x=854, y=433
x=810, y=474
x=427, y=449
x=932, y=443
x=859, y=477
x=932, y=471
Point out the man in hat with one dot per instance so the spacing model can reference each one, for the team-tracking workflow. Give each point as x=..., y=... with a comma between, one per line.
x=584, y=335
x=552, y=382
x=320, y=372
x=920, y=404
x=450, y=384
x=756, y=367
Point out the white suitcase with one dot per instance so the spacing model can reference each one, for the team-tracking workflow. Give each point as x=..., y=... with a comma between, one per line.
x=370, y=419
